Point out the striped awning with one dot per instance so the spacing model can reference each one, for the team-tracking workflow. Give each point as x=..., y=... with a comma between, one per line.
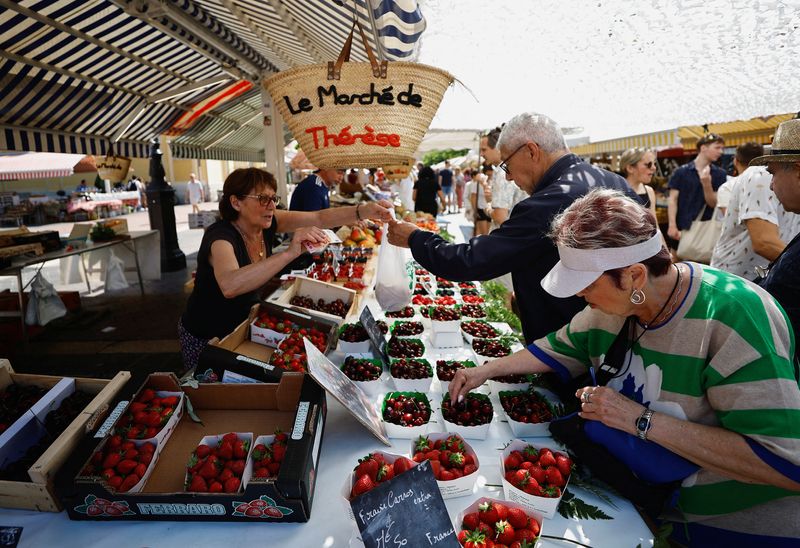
x=78, y=74
x=759, y=130
x=37, y=165
x=656, y=140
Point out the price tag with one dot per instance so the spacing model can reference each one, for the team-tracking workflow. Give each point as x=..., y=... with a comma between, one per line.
x=407, y=511
x=375, y=334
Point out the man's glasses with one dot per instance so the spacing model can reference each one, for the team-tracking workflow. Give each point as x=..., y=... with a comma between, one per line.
x=265, y=199
x=504, y=164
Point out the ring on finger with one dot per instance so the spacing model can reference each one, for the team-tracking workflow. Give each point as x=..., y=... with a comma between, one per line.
x=585, y=397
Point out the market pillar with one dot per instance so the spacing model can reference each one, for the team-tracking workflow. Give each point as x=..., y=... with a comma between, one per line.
x=161, y=209
x=273, y=143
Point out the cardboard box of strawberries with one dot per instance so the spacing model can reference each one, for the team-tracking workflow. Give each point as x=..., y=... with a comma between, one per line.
x=252, y=458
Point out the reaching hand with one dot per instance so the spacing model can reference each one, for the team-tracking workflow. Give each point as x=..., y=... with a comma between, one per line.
x=380, y=211
x=400, y=232
x=466, y=380
x=311, y=235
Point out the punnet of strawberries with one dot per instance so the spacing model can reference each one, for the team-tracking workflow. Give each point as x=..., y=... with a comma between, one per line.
x=472, y=299
x=217, y=468
x=444, y=301
x=147, y=415
x=539, y=472
x=406, y=312
x=480, y=329
x=527, y=407
x=474, y=410
x=405, y=348
x=495, y=524
x=421, y=300
x=406, y=408
x=446, y=369
x=267, y=459
x=266, y=320
x=120, y=463
x=421, y=272
x=450, y=458
x=473, y=311
x=374, y=469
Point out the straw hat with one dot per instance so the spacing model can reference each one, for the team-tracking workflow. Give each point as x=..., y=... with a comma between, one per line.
x=785, y=145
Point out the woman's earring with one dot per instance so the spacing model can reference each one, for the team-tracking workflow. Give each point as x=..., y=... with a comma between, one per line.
x=638, y=296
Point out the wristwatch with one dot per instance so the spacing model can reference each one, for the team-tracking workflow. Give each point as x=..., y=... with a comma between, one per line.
x=643, y=424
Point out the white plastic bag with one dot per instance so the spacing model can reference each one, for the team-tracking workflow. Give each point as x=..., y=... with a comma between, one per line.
x=394, y=286
x=115, y=273
x=44, y=305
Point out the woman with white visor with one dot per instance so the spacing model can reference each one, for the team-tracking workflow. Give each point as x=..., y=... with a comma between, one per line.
x=706, y=394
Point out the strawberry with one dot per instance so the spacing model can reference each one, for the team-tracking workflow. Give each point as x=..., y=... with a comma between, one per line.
x=215, y=487
x=469, y=469
x=525, y=535
x=150, y=432
x=111, y=460
x=198, y=485
x=367, y=465
x=436, y=468
x=462, y=536
x=202, y=451
x=546, y=458
x=478, y=539
x=362, y=485
x=140, y=469
x=146, y=395
x=273, y=468
x=456, y=460
x=402, y=464
x=281, y=436
x=445, y=475
x=502, y=510
x=423, y=443
x=533, y=488
x=564, y=464
x=551, y=492
x=115, y=441
x=471, y=521
x=115, y=482
x=554, y=477
x=232, y=485
x=517, y=518
x=486, y=529
x=169, y=401
x=488, y=513
x=530, y=454
x=225, y=450
x=225, y=475
x=208, y=470
x=505, y=532
x=454, y=443
x=126, y=466
x=230, y=437
x=137, y=407
x=261, y=473
x=538, y=473
x=108, y=473
x=260, y=451
x=534, y=527
x=512, y=461
x=130, y=454
x=278, y=452
x=238, y=468
x=522, y=544
x=129, y=481
x=240, y=449
x=385, y=472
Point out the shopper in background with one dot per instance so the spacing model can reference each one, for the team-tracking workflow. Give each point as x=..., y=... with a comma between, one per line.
x=446, y=184
x=426, y=190
x=703, y=393
x=349, y=185
x=235, y=259
x=194, y=193
x=693, y=186
x=638, y=165
x=537, y=159
x=313, y=192
x=756, y=227
x=505, y=194
x=480, y=200
x=782, y=276
x=460, y=184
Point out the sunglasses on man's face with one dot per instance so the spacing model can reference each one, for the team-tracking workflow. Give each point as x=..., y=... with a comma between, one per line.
x=265, y=199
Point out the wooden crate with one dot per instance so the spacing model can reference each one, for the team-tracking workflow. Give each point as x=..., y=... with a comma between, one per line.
x=14, y=250
x=39, y=494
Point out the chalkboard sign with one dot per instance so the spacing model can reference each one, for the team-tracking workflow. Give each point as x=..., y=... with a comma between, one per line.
x=375, y=334
x=407, y=511
x=349, y=394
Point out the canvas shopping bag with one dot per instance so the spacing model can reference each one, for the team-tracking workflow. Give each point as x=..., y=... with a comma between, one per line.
x=697, y=243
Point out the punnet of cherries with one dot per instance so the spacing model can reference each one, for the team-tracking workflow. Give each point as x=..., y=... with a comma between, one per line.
x=353, y=332
x=527, y=407
x=405, y=348
x=491, y=348
x=473, y=311
x=407, y=329
x=406, y=312
x=480, y=329
x=411, y=369
x=337, y=307
x=474, y=410
x=446, y=369
x=406, y=409
x=361, y=369
x=444, y=314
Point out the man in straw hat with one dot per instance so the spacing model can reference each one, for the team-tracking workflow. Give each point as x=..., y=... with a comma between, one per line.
x=535, y=156
x=782, y=277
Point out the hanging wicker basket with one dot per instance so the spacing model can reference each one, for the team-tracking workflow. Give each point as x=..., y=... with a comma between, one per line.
x=358, y=114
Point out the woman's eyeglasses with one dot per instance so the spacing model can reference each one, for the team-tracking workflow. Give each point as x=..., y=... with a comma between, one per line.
x=650, y=165
x=265, y=199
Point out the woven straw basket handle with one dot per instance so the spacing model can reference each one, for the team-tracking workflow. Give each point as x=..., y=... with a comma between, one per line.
x=335, y=69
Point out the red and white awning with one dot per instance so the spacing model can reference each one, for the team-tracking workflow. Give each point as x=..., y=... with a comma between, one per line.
x=37, y=165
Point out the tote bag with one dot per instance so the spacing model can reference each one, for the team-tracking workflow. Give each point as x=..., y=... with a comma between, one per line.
x=697, y=243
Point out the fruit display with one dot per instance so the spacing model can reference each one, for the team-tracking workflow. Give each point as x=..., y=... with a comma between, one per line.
x=376, y=468
x=450, y=457
x=323, y=272
x=466, y=285
x=421, y=300
x=490, y=523
x=405, y=348
x=217, y=465
x=406, y=312
x=362, y=369
x=121, y=464
x=411, y=369
x=444, y=301
x=406, y=409
x=265, y=320
x=538, y=472
x=469, y=291
x=362, y=237
x=473, y=311
x=407, y=329
x=15, y=400
x=291, y=353
x=421, y=272
x=472, y=299
x=353, y=333
x=490, y=348
x=512, y=379
x=446, y=369
x=383, y=326
x=147, y=415
x=526, y=407
x=480, y=329
x=336, y=308
x=289, y=362
x=474, y=410
x=267, y=459
x=356, y=255
x=441, y=283
x=425, y=311
x=445, y=292
x=444, y=314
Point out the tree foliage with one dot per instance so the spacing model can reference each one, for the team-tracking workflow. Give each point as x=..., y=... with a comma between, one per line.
x=436, y=156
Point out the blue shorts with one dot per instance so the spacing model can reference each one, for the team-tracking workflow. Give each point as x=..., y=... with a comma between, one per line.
x=447, y=190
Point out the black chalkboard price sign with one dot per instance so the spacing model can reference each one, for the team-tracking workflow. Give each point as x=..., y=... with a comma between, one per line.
x=405, y=512
x=375, y=334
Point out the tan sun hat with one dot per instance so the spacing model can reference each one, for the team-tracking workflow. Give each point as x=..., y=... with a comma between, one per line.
x=785, y=145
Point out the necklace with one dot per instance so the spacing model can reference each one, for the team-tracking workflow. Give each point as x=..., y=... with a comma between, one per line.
x=261, y=249
x=671, y=300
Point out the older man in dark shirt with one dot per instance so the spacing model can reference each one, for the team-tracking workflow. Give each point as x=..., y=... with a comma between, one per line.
x=537, y=159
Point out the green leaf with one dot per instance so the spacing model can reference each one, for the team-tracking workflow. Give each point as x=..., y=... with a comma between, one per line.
x=594, y=489
x=573, y=507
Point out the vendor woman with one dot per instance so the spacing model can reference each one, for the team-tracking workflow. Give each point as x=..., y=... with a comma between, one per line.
x=235, y=258
x=706, y=394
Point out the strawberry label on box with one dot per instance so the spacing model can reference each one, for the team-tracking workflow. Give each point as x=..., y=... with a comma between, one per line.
x=406, y=511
